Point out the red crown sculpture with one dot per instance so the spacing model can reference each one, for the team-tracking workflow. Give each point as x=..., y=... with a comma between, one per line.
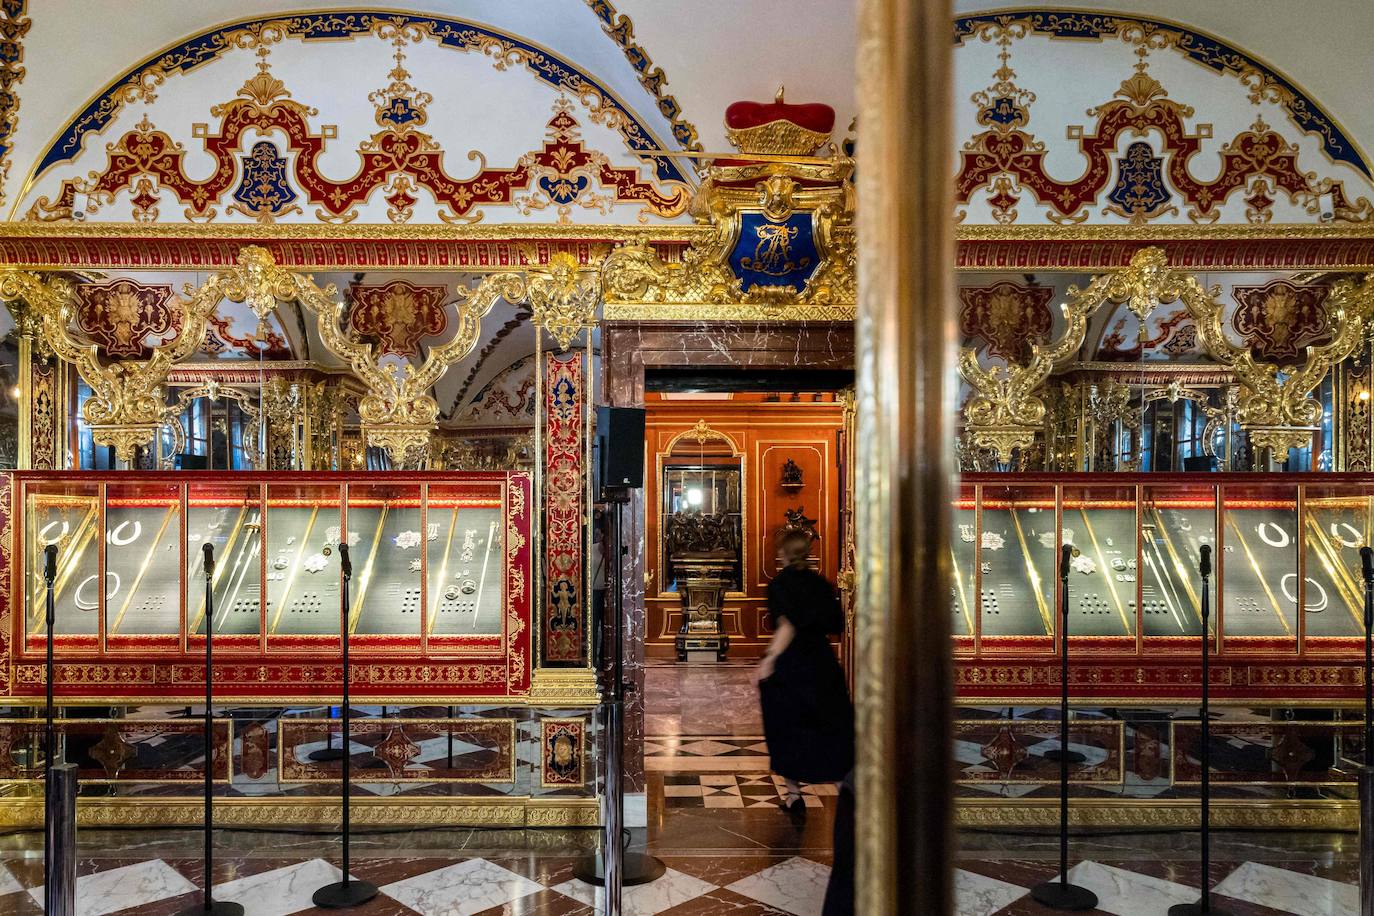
x=778, y=127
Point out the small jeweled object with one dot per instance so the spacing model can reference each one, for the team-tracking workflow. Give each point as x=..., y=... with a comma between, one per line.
x=993, y=541
x=469, y=587
x=1084, y=565
x=315, y=562
x=451, y=593
x=415, y=565
x=408, y=539
x=280, y=563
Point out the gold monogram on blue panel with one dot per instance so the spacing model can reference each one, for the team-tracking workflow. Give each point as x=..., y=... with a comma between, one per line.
x=776, y=253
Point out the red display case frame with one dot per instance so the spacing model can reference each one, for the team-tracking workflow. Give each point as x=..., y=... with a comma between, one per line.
x=263, y=670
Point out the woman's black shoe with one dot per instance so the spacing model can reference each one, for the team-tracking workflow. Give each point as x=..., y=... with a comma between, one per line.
x=795, y=807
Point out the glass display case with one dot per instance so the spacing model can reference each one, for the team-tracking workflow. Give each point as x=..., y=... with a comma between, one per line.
x=1286, y=561
x=441, y=573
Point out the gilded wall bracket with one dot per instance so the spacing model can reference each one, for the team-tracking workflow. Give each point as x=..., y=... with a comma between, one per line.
x=1274, y=406
x=398, y=412
x=127, y=406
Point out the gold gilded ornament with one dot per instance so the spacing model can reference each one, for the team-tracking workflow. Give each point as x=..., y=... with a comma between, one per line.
x=563, y=297
x=127, y=406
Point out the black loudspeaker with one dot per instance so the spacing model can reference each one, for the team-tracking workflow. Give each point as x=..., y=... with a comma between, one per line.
x=185, y=462
x=620, y=448
x=1200, y=463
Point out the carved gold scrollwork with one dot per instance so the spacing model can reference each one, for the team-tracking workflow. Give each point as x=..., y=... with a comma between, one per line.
x=398, y=413
x=1275, y=406
x=126, y=407
x=563, y=298
x=214, y=391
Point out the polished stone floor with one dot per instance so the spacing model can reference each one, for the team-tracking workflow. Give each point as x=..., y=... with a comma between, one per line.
x=713, y=818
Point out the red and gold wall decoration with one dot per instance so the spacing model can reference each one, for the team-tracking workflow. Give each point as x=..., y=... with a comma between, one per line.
x=398, y=315
x=564, y=755
x=268, y=182
x=565, y=506
x=44, y=415
x=1007, y=317
x=1279, y=319
x=120, y=316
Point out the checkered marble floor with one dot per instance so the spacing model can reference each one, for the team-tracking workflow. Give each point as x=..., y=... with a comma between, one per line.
x=724, y=753
x=733, y=790
x=692, y=886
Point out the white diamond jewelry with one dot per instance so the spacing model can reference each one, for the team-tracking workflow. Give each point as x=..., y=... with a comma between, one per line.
x=1288, y=592
x=1281, y=539
x=469, y=587
x=1084, y=564
x=43, y=537
x=415, y=565
x=109, y=593
x=966, y=533
x=118, y=541
x=280, y=563
x=986, y=569
x=291, y=540
x=315, y=563
x=432, y=531
x=993, y=541
x=407, y=539
x=1354, y=541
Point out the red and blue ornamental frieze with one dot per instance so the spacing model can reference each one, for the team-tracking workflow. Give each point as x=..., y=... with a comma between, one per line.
x=565, y=504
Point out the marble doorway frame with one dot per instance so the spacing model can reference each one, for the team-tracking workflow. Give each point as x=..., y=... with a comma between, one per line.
x=629, y=349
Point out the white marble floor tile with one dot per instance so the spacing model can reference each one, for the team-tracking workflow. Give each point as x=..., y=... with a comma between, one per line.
x=1127, y=893
x=645, y=899
x=9, y=884
x=124, y=887
x=1290, y=891
x=280, y=891
x=462, y=889
x=978, y=895
x=796, y=886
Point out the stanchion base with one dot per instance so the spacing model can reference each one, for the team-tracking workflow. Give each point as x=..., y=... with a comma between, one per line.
x=636, y=868
x=217, y=908
x=1060, y=896
x=1195, y=909
x=325, y=755
x=1074, y=756
x=343, y=894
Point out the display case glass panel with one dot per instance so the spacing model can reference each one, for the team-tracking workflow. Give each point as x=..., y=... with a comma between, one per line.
x=1016, y=548
x=229, y=518
x=142, y=564
x=68, y=515
x=1259, y=566
x=387, y=538
x=466, y=562
x=302, y=564
x=1176, y=520
x=964, y=555
x=1336, y=524
x=1100, y=522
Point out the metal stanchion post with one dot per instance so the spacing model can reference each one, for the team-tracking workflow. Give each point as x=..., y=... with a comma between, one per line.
x=348, y=892
x=207, y=900
x=59, y=892
x=614, y=867
x=60, y=786
x=1060, y=894
x=1203, y=907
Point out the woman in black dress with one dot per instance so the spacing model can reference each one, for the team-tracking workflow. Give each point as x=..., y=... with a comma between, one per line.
x=808, y=719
